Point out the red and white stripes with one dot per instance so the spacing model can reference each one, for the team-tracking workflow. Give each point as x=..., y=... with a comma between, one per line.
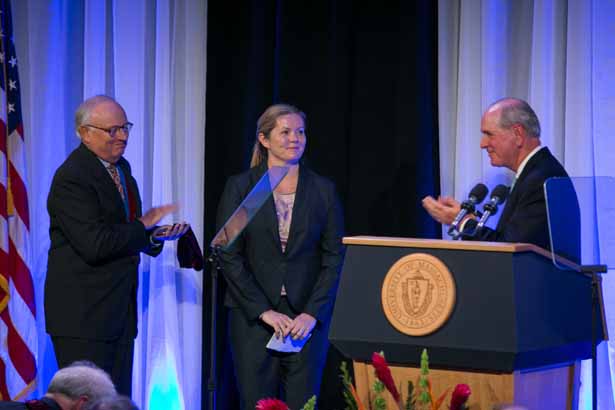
x=18, y=332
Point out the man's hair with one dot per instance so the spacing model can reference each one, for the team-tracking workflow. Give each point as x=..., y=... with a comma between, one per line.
x=82, y=378
x=114, y=403
x=517, y=111
x=82, y=115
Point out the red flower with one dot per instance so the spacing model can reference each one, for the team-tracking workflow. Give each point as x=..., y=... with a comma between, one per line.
x=460, y=396
x=383, y=373
x=271, y=404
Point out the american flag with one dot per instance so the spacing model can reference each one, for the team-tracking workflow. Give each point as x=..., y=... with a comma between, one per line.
x=18, y=333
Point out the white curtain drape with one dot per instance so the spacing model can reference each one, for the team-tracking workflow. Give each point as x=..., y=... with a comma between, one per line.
x=559, y=56
x=151, y=56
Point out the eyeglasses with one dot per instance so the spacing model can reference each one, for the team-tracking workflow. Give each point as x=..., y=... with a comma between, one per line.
x=113, y=130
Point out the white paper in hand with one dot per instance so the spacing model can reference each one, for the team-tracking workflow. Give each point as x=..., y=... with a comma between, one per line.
x=287, y=344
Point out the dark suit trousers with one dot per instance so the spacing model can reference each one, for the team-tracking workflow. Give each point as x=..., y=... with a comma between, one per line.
x=261, y=373
x=114, y=357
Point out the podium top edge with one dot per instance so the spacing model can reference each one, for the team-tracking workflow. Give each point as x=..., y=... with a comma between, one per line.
x=439, y=244
x=455, y=245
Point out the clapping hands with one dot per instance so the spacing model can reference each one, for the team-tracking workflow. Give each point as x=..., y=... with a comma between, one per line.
x=444, y=209
x=164, y=232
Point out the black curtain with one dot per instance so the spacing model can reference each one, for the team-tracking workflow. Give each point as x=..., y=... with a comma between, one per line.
x=365, y=75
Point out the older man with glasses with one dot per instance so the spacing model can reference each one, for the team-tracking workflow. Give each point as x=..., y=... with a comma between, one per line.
x=97, y=233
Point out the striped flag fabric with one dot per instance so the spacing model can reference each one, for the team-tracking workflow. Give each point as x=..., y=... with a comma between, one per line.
x=18, y=333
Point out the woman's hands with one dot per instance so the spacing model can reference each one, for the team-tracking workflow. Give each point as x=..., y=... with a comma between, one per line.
x=282, y=325
x=278, y=321
x=302, y=326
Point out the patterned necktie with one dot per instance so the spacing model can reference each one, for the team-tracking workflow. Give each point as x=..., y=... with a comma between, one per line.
x=116, y=178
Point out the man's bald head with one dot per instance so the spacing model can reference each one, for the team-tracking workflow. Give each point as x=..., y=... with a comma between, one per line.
x=516, y=111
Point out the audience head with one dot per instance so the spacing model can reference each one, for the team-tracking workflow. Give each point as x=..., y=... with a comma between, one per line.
x=508, y=407
x=114, y=403
x=79, y=385
x=269, y=124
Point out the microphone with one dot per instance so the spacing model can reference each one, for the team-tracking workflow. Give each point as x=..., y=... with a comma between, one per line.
x=498, y=196
x=476, y=196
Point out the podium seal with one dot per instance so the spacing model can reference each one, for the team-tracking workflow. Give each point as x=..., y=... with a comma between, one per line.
x=418, y=294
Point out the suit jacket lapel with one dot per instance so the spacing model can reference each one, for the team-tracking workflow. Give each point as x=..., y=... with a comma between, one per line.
x=267, y=212
x=300, y=214
x=132, y=192
x=511, y=204
x=101, y=175
x=271, y=221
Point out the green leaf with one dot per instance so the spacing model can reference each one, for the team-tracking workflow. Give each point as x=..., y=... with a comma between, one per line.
x=351, y=404
x=378, y=386
x=380, y=403
x=423, y=381
x=411, y=399
x=424, y=397
x=424, y=363
x=310, y=404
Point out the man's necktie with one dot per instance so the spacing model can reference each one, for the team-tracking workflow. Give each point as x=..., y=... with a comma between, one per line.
x=116, y=178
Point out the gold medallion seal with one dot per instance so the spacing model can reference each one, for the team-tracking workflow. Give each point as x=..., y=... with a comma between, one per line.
x=418, y=294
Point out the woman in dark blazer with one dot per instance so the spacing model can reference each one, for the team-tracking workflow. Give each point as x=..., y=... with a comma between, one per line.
x=283, y=270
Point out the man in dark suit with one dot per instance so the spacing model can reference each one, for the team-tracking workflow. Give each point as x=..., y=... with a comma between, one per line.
x=97, y=232
x=511, y=137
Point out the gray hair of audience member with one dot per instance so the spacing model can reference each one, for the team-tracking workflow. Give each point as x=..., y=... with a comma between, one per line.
x=114, y=403
x=508, y=407
x=517, y=111
x=82, y=378
x=82, y=115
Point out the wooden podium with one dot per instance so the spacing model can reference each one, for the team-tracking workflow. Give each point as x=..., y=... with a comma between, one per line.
x=517, y=326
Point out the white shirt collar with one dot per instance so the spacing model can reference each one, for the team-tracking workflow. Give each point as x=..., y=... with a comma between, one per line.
x=526, y=159
x=105, y=163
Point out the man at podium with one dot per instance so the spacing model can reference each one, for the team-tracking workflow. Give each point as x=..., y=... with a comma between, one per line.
x=511, y=136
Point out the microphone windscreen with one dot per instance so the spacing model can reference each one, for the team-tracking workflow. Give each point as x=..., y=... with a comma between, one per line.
x=479, y=192
x=501, y=192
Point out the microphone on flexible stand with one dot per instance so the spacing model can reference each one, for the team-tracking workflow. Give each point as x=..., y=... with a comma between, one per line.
x=498, y=196
x=476, y=196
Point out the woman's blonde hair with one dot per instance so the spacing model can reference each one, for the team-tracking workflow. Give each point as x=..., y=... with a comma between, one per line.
x=267, y=122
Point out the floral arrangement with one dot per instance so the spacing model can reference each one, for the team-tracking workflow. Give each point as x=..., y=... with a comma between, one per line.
x=421, y=398
x=271, y=404
x=275, y=404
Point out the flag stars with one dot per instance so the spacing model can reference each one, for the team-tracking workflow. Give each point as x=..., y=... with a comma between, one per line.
x=11, y=107
x=13, y=61
x=12, y=84
x=1, y=57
